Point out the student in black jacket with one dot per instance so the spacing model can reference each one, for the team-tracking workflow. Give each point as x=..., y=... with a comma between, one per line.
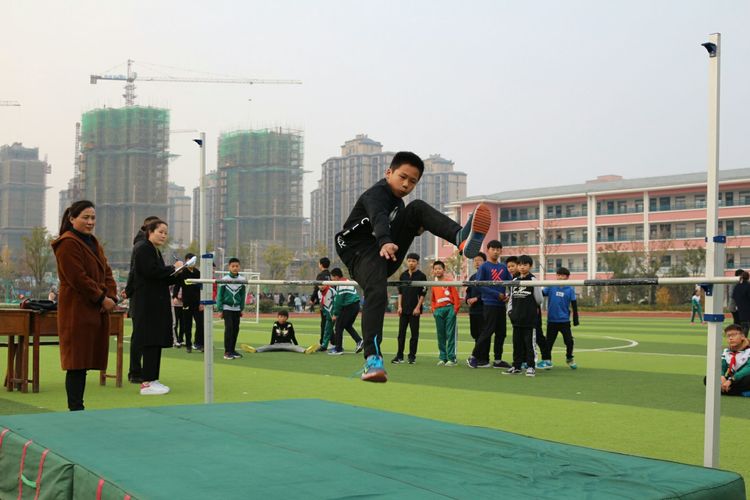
x=192, y=309
x=377, y=236
x=523, y=310
x=282, y=338
x=410, y=301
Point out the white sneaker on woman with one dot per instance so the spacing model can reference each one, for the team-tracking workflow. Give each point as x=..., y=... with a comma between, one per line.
x=154, y=388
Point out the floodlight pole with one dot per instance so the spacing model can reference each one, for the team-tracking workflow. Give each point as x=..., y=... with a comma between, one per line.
x=714, y=263
x=206, y=291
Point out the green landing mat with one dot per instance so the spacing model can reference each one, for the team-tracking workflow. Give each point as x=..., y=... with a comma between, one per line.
x=317, y=449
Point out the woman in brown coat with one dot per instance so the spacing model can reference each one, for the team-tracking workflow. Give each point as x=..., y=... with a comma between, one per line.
x=87, y=295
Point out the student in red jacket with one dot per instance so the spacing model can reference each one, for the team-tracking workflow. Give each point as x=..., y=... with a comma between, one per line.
x=445, y=304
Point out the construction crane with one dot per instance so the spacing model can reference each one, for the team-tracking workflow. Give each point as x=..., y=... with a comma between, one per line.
x=131, y=77
x=9, y=103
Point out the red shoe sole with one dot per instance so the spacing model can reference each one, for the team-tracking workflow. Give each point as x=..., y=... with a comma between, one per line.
x=379, y=376
x=482, y=219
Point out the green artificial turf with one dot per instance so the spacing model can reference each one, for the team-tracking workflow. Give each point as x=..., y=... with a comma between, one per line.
x=638, y=389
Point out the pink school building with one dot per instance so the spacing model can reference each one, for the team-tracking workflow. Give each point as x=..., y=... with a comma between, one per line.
x=573, y=225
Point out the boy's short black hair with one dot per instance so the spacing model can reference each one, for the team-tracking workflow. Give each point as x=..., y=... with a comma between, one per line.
x=233, y=260
x=189, y=256
x=407, y=158
x=438, y=263
x=511, y=258
x=283, y=312
x=482, y=255
x=494, y=244
x=336, y=272
x=563, y=270
x=325, y=262
x=525, y=259
x=412, y=255
x=735, y=327
x=739, y=272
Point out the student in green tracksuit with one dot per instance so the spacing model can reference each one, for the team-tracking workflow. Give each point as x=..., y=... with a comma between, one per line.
x=229, y=301
x=344, y=312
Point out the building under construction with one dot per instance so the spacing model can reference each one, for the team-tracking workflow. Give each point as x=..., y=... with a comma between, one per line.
x=23, y=181
x=122, y=167
x=260, y=189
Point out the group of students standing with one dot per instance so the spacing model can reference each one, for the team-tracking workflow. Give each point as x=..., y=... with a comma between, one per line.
x=488, y=307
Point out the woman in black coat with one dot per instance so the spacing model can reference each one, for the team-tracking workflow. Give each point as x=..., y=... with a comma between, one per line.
x=151, y=299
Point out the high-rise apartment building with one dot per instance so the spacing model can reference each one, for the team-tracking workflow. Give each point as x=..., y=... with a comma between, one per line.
x=122, y=168
x=23, y=181
x=178, y=215
x=260, y=189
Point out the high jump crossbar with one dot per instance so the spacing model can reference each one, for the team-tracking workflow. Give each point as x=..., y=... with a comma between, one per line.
x=695, y=280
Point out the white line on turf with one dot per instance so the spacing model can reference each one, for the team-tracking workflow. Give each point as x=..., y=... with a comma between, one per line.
x=631, y=343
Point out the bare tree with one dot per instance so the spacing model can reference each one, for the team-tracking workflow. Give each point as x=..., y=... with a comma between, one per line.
x=8, y=273
x=648, y=262
x=38, y=256
x=453, y=264
x=618, y=260
x=278, y=259
x=310, y=258
x=695, y=258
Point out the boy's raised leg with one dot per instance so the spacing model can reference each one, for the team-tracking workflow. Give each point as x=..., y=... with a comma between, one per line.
x=469, y=240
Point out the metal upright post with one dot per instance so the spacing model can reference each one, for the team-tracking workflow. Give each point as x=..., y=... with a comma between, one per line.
x=714, y=263
x=206, y=291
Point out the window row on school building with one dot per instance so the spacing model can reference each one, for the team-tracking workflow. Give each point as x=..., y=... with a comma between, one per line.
x=575, y=225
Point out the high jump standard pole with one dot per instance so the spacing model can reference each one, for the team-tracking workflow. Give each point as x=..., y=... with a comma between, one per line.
x=714, y=262
x=206, y=291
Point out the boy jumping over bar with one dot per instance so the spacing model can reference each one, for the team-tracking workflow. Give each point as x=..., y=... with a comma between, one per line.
x=377, y=236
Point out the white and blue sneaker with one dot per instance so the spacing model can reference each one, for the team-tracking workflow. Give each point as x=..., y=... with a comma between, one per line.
x=373, y=370
x=544, y=365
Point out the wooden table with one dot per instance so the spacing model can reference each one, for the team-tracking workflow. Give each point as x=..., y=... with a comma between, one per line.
x=29, y=326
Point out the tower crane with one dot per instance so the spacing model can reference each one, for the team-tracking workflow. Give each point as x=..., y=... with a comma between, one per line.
x=131, y=77
x=9, y=103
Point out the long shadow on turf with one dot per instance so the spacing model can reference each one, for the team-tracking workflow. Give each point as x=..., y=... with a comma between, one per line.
x=13, y=408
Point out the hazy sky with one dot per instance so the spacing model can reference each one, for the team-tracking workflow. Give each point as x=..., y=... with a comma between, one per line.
x=516, y=93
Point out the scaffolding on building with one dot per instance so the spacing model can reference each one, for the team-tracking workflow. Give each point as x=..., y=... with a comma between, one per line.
x=123, y=168
x=260, y=187
x=23, y=183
